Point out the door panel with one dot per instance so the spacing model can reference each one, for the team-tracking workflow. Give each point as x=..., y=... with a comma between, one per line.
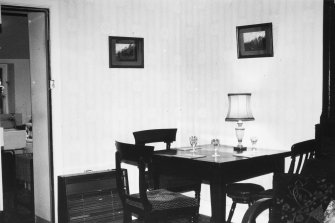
x=40, y=114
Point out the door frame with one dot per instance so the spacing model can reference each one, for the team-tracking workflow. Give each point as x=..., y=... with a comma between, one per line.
x=46, y=11
x=4, y=74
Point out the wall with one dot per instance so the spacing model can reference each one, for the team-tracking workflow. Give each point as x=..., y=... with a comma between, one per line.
x=190, y=66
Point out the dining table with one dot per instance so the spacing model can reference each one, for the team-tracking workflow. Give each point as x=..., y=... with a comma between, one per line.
x=227, y=167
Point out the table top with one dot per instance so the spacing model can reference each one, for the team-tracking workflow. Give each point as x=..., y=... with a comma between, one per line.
x=204, y=153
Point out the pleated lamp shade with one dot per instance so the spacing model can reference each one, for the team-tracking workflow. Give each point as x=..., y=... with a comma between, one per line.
x=239, y=107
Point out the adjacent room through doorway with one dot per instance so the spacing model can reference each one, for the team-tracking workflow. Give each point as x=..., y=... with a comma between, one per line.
x=25, y=116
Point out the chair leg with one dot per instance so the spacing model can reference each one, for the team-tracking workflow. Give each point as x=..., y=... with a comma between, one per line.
x=231, y=212
x=126, y=216
x=197, y=196
x=195, y=218
x=270, y=212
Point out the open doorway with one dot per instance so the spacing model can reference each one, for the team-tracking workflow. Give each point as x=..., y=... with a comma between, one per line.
x=26, y=117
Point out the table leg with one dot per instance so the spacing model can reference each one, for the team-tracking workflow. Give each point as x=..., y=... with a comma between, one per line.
x=280, y=166
x=218, y=201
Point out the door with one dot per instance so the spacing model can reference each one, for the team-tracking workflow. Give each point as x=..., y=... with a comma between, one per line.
x=40, y=114
x=39, y=70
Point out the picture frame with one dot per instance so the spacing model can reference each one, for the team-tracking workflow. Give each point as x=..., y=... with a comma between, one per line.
x=254, y=41
x=126, y=52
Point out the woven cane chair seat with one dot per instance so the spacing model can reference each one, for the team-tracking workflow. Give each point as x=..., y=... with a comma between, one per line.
x=162, y=199
x=241, y=192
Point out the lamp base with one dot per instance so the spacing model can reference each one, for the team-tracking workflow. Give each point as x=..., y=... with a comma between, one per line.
x=240, y=149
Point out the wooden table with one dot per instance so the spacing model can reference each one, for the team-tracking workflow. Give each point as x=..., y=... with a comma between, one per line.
x=227, y=168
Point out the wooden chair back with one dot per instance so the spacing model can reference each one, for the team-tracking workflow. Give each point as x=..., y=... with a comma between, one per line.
x=300, y=153
x=129, y=153
x=156, y=135
x=170, y=182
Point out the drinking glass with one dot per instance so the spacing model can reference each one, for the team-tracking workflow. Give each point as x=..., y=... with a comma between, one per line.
x=193, y=142
x=253, y=140
x=215, y=143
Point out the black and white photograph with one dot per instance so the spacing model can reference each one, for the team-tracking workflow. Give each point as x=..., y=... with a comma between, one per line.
x=255, y=40
x=126, y=52
x=167, y=111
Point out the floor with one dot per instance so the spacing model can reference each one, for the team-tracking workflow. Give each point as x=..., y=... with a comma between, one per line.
x=12, y=214
x=205, y=208
x=22, y=214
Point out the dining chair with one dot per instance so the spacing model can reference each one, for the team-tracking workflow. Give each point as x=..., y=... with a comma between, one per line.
x=170, y=182
x=248, y=193
x=167, y=136
x=149, y=205
x=305, y=197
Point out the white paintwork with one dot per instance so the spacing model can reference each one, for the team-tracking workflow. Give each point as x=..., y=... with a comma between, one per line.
x=1, y=190
x=4, y=68
x=39, y=92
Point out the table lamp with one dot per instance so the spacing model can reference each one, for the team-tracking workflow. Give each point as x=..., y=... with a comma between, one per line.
x=239, y=110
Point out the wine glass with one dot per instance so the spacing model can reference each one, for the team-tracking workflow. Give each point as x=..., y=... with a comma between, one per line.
x=193, y=142
x=253, y=140
x=215, y=143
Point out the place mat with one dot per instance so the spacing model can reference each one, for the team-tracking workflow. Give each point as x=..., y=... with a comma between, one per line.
x=247, y=154
x=189, y=156
x=183, y=148
x=187, y=148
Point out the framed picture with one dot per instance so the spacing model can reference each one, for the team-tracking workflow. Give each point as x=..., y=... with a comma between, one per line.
x=126, y=52
x=254, y=41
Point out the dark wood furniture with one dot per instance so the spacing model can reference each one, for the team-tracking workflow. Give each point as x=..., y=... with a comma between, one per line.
x=170, y=182
x=306, y=192
x=90, y=197
x=167, y=136
x=229, y=167
x=154, y=205
x=256, y=209
x=8, y=169
x=301, y=152
x=325, y=130
x=24, y=188
x=242, y=193
x=249, y=193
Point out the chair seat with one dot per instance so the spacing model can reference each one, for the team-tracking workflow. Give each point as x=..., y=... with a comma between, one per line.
x=263, y=194
x=242, y=192
x=162, y=199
